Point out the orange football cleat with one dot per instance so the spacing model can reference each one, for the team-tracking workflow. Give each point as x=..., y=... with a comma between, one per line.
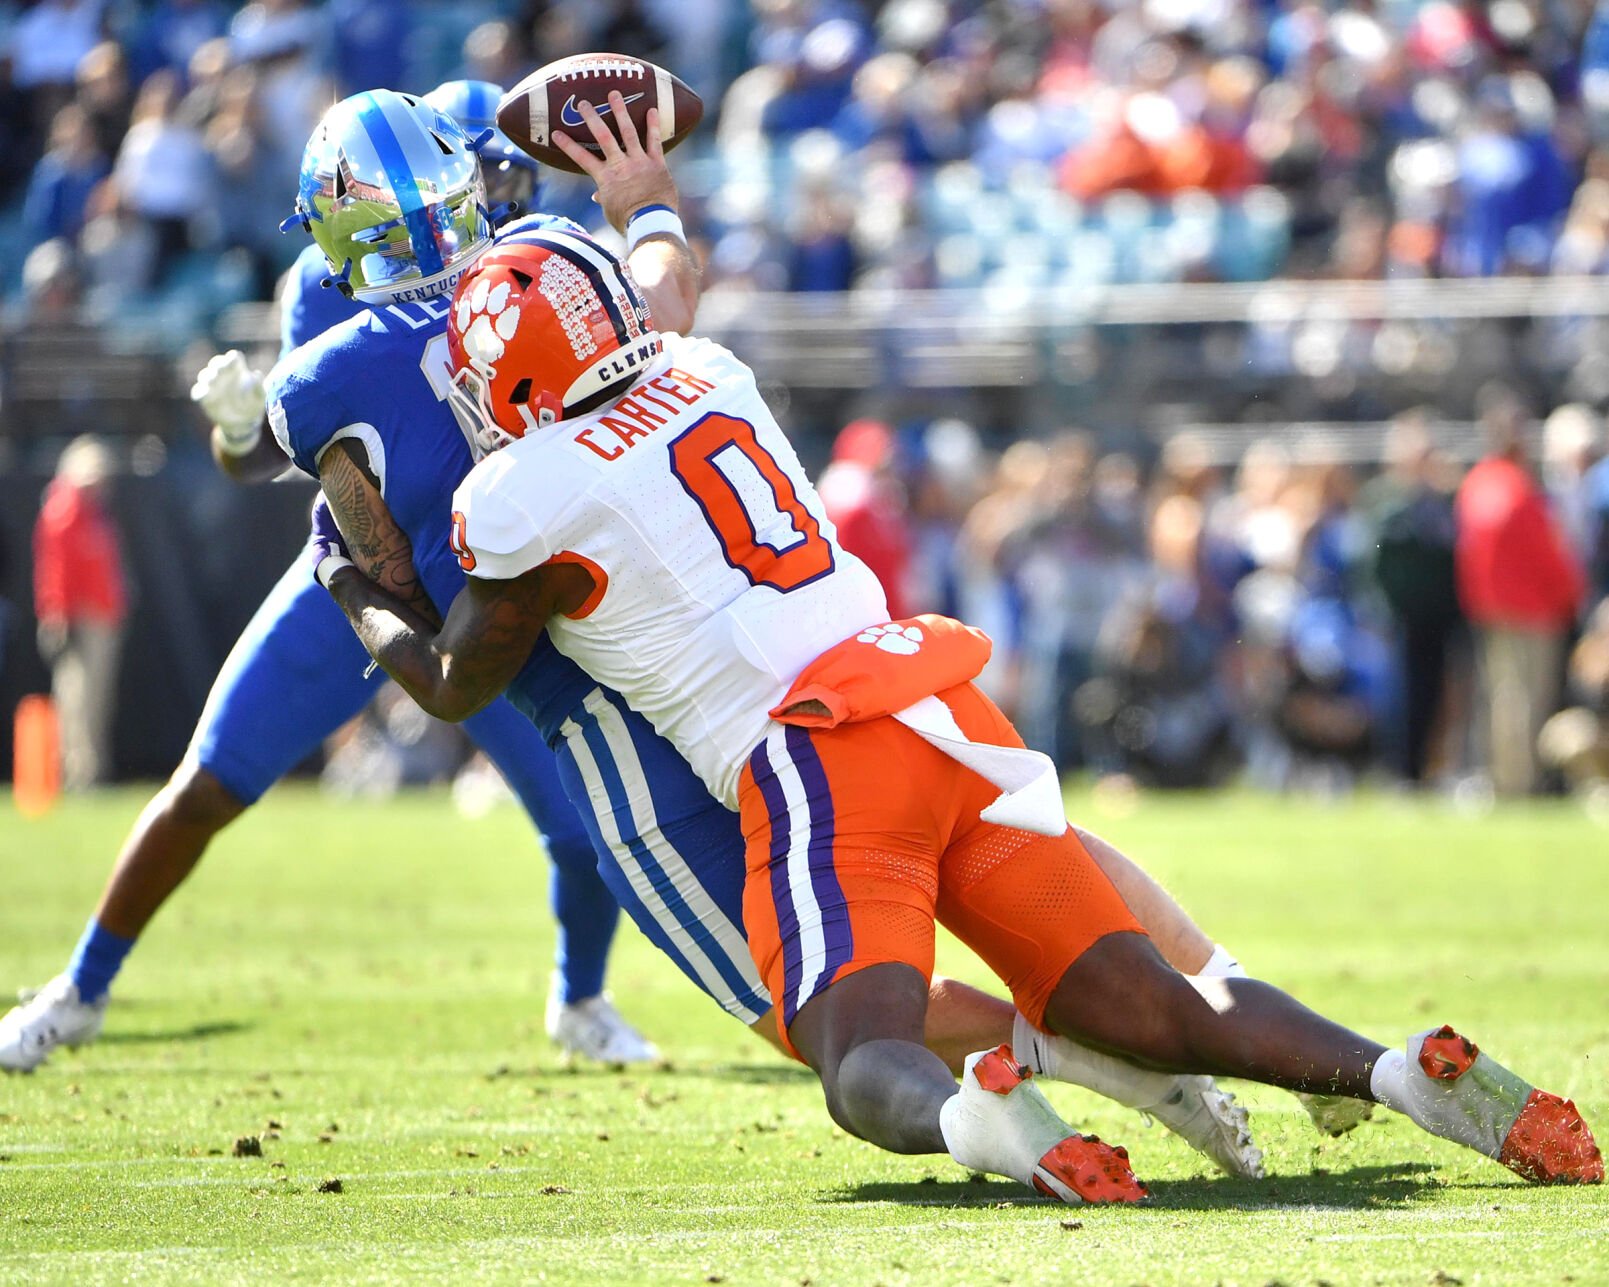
x=1083, y=1169
x=1551, y=1144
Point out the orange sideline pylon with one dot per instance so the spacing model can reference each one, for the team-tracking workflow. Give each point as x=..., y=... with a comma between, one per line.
x=36, y=756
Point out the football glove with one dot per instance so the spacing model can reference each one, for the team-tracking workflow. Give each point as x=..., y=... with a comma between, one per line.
x=231, y=394
x=326, y=546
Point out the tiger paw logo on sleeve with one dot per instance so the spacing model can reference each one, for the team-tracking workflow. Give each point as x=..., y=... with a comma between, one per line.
x=902, y=641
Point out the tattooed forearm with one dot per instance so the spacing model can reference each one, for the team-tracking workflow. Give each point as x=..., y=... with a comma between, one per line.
x=378, y=546
x=489, y=633
x=491, y=630
x=451, y=668
x=398, y=638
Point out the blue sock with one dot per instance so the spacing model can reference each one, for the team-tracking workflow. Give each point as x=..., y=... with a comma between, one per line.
x=586, y=912
x=96, y=960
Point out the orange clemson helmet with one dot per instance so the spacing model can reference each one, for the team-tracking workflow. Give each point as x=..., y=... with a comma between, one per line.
x=545, y=326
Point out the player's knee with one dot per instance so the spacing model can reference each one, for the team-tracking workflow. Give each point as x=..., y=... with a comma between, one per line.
x=1121, y=994
x=840, y=1101
x=194, y=798
x=854, y=1091
x=945, y=994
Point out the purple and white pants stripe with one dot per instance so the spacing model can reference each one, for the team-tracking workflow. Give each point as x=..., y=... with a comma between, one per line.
x=812, y=916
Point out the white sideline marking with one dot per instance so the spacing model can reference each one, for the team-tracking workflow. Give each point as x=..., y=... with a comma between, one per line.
x=111, y=1162
x=1443, y=1233
x=609, y=1239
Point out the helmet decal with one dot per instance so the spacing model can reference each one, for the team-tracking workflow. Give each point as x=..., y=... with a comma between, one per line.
x=487, y=321
x=575, y=303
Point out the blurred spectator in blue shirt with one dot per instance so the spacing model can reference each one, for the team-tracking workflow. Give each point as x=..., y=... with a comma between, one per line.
x=103, y=92
x=813, y=48
x=169, y=33
x=280, y=40
x=822, y=255
x=58, y=192
x=46, y=43
x=369, y=43
x=1514, y=186
x=163, y=173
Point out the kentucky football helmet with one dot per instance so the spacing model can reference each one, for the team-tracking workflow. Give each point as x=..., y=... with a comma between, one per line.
x=544, y=327
x=392, y=193
x=510, y=173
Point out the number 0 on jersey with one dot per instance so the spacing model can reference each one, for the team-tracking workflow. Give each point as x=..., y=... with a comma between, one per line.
x=763, y=527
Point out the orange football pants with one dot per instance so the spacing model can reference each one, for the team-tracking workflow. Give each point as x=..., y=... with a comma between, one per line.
x=859, y=837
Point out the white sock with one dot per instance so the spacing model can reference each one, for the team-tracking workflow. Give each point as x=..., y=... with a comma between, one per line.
x=1220, y=965
x=1061, y=1059
x=980, y=1150
x=1388, y=1080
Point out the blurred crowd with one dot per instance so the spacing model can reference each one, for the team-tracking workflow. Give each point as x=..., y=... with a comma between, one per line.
x=1291, y=614
x=1292, y=618
x=906, y=143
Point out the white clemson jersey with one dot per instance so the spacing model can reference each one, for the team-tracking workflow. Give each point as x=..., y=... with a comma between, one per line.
x=719, y=577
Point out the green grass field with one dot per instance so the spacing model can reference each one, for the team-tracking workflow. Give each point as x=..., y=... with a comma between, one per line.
x=362, y=985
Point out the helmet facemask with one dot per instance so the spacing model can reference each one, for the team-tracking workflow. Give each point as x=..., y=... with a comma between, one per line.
x=469, y=394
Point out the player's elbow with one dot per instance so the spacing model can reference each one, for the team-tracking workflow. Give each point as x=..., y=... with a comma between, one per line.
x=455, y=699
x=446, y=703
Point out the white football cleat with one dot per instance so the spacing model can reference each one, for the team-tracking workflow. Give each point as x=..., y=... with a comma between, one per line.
x=1335, y=1115
x=1209, y=1121
x=1192, y=1107
x=53, y=1016
x=594, y=1028
x=1000, y=1124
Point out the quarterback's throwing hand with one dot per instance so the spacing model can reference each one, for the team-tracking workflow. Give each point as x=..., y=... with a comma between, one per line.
x=631, y=173
x=326, y=547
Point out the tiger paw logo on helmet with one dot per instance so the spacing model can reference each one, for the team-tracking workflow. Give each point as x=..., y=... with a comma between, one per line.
x=902, y=641
x=487, y=321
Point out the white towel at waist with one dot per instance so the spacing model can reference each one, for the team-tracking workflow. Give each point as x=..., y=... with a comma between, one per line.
x=1030, y=788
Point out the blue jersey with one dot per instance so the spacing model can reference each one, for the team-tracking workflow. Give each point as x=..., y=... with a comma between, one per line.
x=306, y=306
x=380, y=378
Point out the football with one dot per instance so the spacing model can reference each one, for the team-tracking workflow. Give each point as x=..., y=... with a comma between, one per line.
x=547, y=100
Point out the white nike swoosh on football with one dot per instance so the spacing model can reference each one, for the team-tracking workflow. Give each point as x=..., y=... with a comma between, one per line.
x=568, y=115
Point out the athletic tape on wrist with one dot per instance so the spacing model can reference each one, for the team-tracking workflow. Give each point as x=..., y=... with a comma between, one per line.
x=652, y=221
x=328, y=566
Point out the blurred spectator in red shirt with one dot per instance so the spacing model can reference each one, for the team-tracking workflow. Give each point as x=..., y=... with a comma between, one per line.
x=868, y=507
x=1146, y=144
x=1521, y=589
x=81, y=603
